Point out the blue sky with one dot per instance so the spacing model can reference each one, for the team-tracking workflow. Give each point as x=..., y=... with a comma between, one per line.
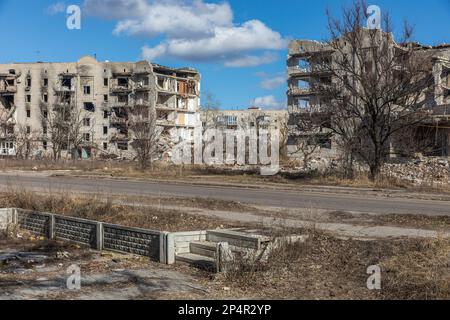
x=239, y=46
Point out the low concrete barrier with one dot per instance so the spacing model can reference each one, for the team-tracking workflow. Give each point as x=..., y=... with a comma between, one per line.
x=6, y=218
x=134, y=240
x=36, y=222
x=77, y=230
x=96, y=235
x=178, y=242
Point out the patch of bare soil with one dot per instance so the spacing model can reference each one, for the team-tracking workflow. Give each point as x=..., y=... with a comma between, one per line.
x=37, y=269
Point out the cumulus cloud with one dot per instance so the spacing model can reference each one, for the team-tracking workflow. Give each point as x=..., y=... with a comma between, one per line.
x=192, y=30
x=268, y=102
x=55, y=8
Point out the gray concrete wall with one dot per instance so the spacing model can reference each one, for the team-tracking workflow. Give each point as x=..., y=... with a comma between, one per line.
x=132, y=240
x=178, y=242
x=5, y=218
x=97, y=235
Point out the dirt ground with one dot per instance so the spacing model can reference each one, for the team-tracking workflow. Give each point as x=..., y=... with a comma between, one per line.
x=327, y=266
x=324, y=267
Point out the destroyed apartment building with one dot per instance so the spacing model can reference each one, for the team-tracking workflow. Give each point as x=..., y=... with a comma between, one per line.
x=310, y=64
x=83, y=109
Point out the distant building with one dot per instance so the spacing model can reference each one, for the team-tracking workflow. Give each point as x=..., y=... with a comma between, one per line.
x=101, y=95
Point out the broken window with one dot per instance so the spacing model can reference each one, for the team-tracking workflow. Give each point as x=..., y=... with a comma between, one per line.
x=87, y=137
x=303, y=103
x=122, y=145
x=87, y=122
x=28, y=82
x=8, y=101
x=122, y=99
x=231, y=120
x=105, y=114
x=45, y=97
x=105, y=82
x=44, y=145
x=122, y=82
x=105, y=146
x=28, y=129
x=66, y=82
x=87, y=90
x=304, y=65
x=44, y=129
x=182, y=87
x=303, y=84
x=45, y=114
x=28, y=113
x=45, y=82
x=105, y=98
x=89, y=106
x=105, y=130
x=28, y=98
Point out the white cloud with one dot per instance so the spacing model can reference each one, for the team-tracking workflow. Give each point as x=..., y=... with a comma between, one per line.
x=192, y=30
x=268, y=102
x=251, y=61
x=273, y=83
x=55, y=8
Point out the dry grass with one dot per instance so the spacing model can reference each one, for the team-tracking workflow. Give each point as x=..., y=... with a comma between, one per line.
x=220, y=175
x=100, y=208
x=325, y=267
x=421, y=273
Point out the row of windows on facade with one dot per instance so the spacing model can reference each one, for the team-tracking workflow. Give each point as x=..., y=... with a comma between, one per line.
x=67, y=82
x=86, y=123
x=10, y=145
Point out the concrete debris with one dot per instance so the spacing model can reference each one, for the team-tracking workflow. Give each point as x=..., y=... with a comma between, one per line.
x=429, y=171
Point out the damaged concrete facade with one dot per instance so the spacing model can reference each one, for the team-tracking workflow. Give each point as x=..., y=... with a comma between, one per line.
x=252, y=118
x=309, y=63
x=93, y=99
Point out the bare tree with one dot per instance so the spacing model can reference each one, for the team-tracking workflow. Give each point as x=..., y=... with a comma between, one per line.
x=378, y=87
x=26, y=141
x=310, y=135
x=210, y=110
x=146, y=134
x=63, y=122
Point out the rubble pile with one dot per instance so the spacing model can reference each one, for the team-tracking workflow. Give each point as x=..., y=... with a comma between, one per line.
x=431, y=171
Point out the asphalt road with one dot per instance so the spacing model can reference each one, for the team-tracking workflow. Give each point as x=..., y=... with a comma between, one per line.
x=275, y=198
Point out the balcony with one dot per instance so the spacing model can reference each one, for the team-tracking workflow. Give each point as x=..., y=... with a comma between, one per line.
x=121, y=88
x=300, y=91
x=314, y=70
x=165, y=123
x=117, y=120
x=119, y=137
x=64, y=89
x=141, y=87
x=8, y=89
x=119, y=104
x=164, y=107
